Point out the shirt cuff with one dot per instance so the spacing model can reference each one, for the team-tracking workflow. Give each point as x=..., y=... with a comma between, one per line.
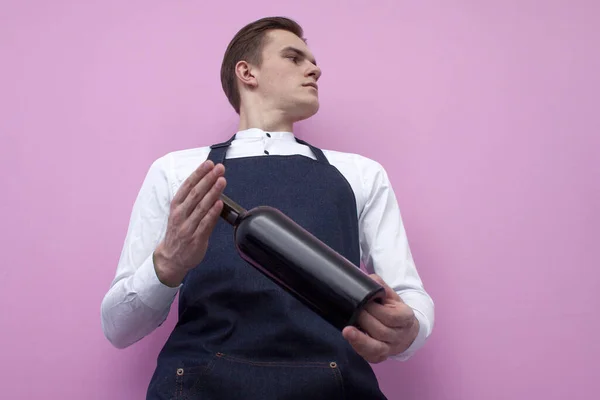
x=419, y=340
x=151, y=291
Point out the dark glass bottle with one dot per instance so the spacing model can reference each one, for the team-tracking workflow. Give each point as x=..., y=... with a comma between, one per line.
x=300, y=263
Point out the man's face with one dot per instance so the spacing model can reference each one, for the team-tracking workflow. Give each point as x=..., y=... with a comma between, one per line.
x=288, y=75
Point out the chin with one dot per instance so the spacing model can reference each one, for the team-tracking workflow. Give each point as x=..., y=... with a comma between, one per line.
x=306, y=110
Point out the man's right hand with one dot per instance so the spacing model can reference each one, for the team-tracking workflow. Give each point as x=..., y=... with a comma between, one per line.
x=195, y=210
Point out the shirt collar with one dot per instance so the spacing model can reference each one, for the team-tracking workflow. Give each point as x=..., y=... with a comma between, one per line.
x=254, y=133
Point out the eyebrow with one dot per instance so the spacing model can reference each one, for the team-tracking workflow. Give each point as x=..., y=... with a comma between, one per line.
x=300, y=53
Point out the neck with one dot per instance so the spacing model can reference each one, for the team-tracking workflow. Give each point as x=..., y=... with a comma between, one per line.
x=271, y=120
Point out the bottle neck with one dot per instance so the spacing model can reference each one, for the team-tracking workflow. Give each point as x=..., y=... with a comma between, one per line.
x=232, y=212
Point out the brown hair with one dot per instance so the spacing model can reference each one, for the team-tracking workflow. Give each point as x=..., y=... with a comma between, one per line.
x=247, y=45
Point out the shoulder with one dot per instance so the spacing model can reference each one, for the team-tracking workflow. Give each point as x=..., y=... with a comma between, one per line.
x=355, y=164
x=178, y=165
x=363, y=173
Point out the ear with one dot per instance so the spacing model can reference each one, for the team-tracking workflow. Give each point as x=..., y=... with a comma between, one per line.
x=246, y=73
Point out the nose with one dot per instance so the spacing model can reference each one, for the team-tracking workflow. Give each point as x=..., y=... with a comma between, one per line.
x=314, y=72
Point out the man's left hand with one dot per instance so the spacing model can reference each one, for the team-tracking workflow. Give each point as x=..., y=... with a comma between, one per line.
x=388, y=328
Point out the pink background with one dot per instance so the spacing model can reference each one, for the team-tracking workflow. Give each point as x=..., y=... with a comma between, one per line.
x=485, y=115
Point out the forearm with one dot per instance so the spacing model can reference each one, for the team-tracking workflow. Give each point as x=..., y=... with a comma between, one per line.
x=423, y=308
x=135, y=305
x=386, y=252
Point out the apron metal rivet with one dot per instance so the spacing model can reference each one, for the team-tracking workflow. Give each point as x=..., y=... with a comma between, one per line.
x=179, y=371
x=333, y=364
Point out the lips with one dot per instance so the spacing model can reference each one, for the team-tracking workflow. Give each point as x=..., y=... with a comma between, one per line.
x=311, y=84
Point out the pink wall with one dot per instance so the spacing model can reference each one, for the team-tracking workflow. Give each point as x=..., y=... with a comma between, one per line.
x=485, y=115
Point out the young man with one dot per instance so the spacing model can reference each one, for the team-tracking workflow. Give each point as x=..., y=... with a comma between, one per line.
x=239, y=335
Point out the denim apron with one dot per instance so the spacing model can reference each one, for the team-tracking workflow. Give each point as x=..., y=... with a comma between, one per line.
x=239, y=335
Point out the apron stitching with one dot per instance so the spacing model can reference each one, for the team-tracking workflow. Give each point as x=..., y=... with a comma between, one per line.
x=302, y=364
x=338, y=376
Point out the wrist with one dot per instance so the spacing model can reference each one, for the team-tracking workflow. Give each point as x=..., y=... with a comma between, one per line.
x=168, y=273
x=416, y=326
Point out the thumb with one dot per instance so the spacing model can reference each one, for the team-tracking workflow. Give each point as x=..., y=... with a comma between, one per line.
x=390, y=294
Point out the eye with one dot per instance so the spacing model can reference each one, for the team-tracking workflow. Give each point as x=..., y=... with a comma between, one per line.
x=295, y=59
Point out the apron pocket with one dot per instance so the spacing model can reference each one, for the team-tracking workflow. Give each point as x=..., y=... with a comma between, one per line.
x=231, y=377
x=181, y=382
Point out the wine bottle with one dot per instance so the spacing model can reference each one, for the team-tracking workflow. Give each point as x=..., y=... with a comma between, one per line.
x=300, y=263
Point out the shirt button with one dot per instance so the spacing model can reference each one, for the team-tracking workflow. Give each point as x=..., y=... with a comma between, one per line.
x=268, y=134
x=266, y=152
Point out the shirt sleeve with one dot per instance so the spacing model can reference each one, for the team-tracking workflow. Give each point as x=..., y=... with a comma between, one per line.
x=137, y=302
x=386, y=252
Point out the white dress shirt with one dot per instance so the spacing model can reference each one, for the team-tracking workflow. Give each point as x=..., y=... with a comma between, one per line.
x=137, y=302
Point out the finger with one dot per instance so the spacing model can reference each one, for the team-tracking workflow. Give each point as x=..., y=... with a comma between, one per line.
x=370, y=349
x=206, y=203
x=389, y=292
x=392, y=314
x=376, y=329
x=192, y=181
x=208, y=223
x=198, y=192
